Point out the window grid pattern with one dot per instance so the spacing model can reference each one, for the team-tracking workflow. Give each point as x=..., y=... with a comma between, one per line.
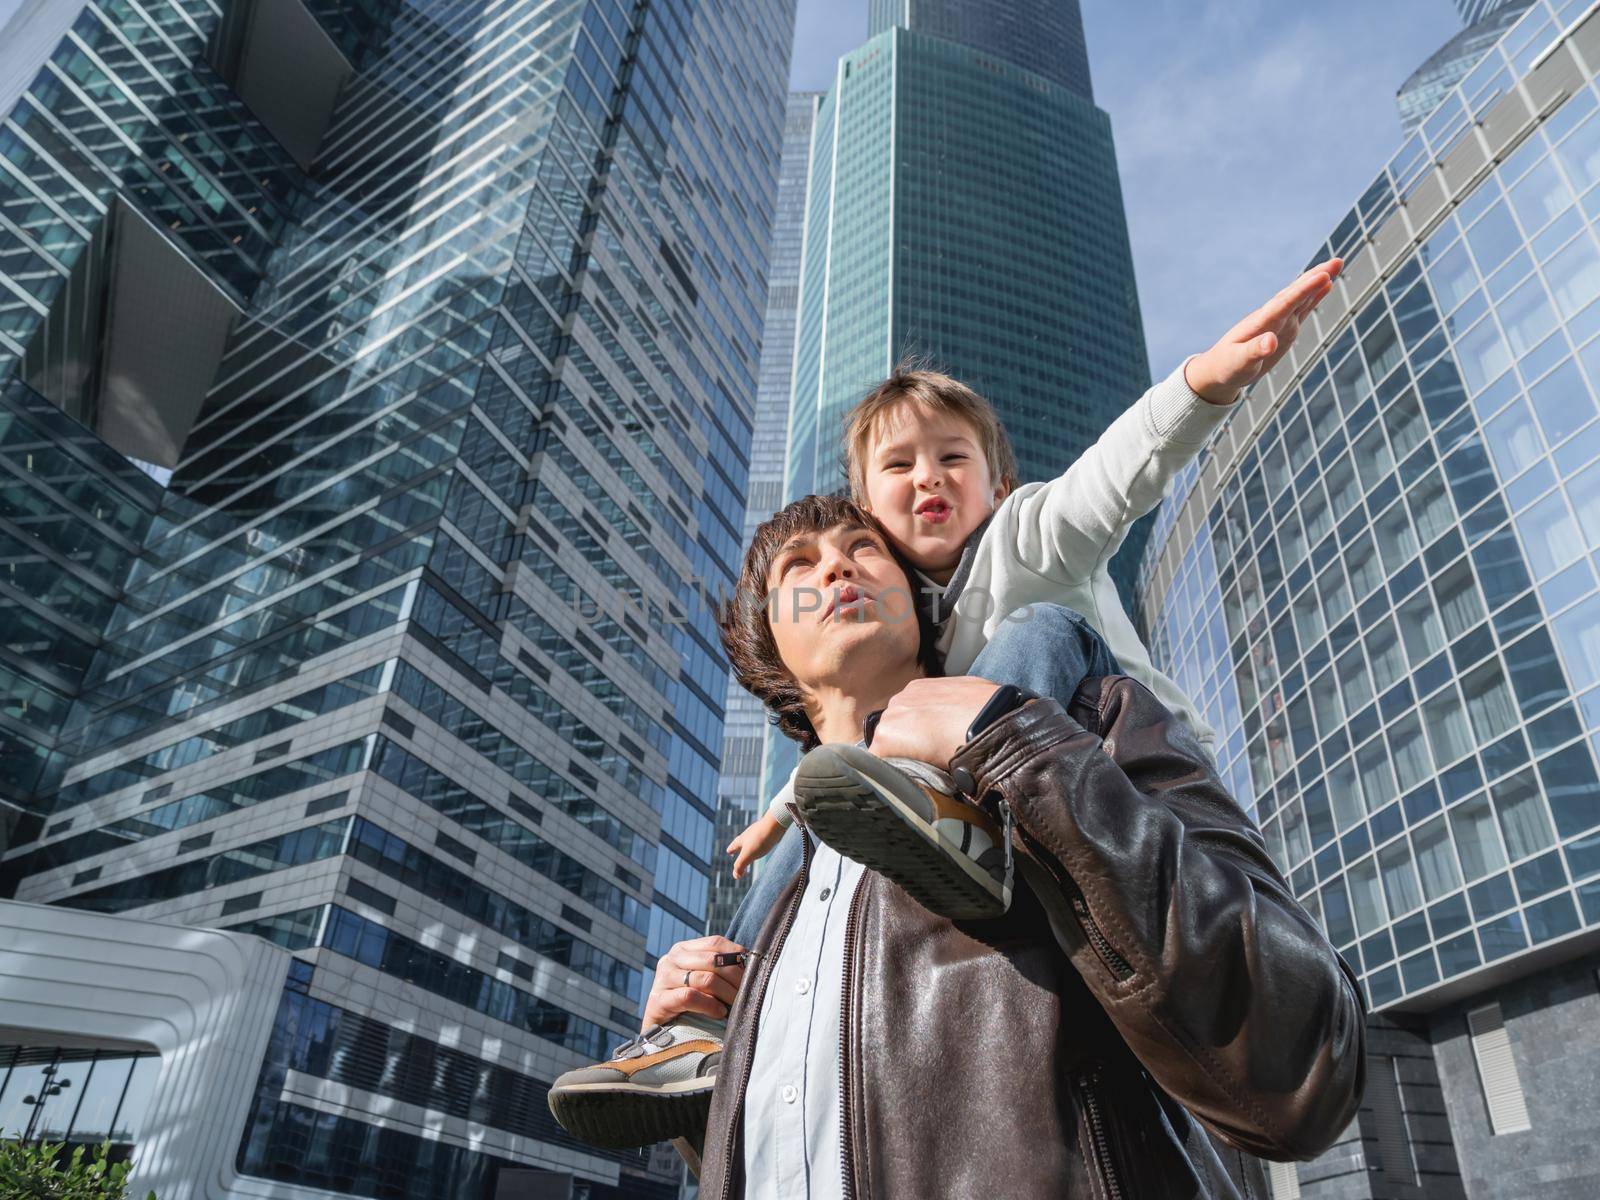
x=1390, y=612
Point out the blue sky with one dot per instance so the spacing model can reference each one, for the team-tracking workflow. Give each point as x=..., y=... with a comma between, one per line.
x=1245, y=130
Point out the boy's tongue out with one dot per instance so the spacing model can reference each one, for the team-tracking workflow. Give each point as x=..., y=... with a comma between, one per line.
x=934, y=510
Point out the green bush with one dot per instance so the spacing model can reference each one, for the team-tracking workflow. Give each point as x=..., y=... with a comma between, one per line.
x=42, y=1173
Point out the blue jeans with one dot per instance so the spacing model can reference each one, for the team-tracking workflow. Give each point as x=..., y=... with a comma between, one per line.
x=1050, y=653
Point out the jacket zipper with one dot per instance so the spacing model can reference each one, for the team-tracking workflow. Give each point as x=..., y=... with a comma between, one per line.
x=1108, y=954
x=847, y=1154
x=1097, y=1133
x=1115, y=963
x=768, y=962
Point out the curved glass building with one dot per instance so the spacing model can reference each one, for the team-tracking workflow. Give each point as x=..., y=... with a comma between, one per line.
x=1437, y=77
x=1381, y=583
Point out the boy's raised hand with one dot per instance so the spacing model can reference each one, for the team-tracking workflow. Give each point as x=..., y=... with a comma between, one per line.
x=1253, y=347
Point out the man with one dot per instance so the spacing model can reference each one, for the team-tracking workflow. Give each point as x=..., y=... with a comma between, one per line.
x=1152, y=963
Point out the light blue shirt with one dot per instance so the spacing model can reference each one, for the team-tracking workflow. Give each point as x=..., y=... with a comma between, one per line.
x=792, y=1111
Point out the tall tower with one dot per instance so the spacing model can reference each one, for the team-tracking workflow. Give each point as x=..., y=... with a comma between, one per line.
x=1045, y=38
x=377, y=387
x=965, y=207
x=741, y=794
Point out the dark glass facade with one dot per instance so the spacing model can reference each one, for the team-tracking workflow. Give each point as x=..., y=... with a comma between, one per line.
x=1380, y=582
x=1041, y=36
x=405, y=659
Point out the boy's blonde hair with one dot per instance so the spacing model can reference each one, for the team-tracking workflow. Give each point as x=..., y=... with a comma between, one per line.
x=939, y=393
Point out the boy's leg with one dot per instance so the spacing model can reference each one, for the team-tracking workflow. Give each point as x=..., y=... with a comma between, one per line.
x=946, y=853
x=1050, y=651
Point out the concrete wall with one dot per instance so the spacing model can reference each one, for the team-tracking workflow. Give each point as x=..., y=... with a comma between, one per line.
x=1553, y=1020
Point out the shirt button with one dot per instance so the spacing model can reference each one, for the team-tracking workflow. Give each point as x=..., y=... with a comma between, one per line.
x=802, y=986
x=826, y=892
x=790, y=1093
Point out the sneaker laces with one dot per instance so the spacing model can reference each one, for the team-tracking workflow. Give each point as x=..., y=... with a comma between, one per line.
x=657, y=1037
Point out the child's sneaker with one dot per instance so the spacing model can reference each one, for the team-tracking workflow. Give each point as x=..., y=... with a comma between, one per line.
x=903, y=819
x=654, y=1088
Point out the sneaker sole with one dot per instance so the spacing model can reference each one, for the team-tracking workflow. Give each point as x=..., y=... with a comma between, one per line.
x=620, y=1116
x=864, y=820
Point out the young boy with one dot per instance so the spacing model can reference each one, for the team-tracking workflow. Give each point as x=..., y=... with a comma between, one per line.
x=928, y=458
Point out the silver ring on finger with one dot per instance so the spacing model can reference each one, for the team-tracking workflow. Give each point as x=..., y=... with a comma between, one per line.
x=686, y=982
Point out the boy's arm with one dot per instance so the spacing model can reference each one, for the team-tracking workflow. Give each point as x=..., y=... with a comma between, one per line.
x=1074, y=524
x=778, y=808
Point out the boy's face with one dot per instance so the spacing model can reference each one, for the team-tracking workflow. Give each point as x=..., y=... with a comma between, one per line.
x=929, y=483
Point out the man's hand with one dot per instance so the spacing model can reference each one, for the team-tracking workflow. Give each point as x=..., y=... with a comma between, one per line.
x=928, y=719
x=1253, y=347
x=709, y=989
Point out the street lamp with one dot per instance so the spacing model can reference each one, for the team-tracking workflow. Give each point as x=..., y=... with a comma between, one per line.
x=51, y=1088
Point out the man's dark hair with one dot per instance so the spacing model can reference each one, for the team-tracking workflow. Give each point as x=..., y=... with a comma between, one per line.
x=745, y=619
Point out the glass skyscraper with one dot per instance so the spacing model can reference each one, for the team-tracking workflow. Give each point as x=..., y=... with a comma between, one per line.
x=378, y=385
x=1382, y=583
x=740, y=795
x=1486, y=22
x=965, y=207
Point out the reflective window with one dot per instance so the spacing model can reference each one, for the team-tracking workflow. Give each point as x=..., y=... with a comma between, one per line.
x=1476, y=839
x=1420, y=627
x=1366, y=897
x=1459, y=603
x=1514, y=440
x=1377, y=776
x=1453, y=276
x=1574, y=276
x=1399, y=878
x=1489, y=702
x=1436, y=862
x=1494, y=238
x=1523, y=819
x=1410, y=752
x=1396, y=542
x=1344, y=789
x=1541, y=196
x=1447, y=728
x=1527, y=316
x=1483, y=353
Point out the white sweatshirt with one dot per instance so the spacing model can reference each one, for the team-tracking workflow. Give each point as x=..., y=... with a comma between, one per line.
x=1052, y=543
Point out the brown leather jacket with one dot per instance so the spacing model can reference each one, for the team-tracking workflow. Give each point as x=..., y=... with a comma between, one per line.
x=982, y=1061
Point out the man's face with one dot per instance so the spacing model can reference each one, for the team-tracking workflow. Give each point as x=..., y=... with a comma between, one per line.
x=840, y=607
x=929, y=483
